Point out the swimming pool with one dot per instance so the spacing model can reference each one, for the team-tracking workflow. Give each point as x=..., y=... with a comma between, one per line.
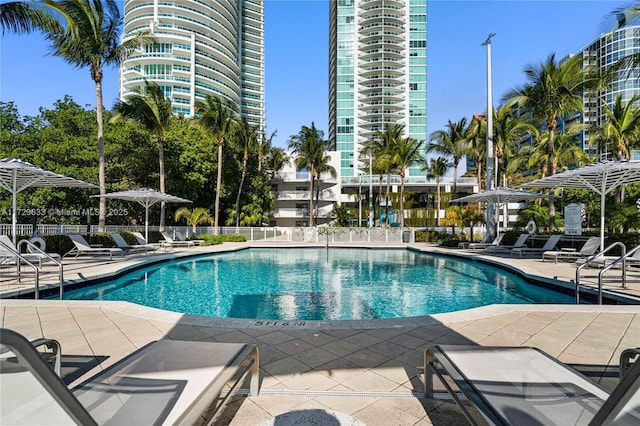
x=319, y=284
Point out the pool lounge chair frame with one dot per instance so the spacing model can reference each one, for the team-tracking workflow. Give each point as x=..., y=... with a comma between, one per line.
x=126, y=247
x=569, y=395
x=550, y=244
x=146, y=387
x=171, y=242
x=81, y=246
x=499, y=248
x=589, y=248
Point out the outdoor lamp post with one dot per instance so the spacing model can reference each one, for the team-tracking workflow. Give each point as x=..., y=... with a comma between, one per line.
x=359, y=200
x=491, y=225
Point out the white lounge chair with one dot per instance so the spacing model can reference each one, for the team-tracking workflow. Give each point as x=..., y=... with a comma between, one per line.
x=181, y=237
x=170, y=242
x=142, y=241
x=126, y=247
x=550, y=244
x=166, y=382
x=588, y=249
x=8, y=253
x=482, y=244
x=520, y=243
x=522, y=385
x=81, y=246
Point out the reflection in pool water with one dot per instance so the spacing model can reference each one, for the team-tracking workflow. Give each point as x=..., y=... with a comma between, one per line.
x=319, y=284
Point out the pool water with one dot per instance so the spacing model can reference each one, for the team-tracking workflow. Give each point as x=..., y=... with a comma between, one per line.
x=319, y=284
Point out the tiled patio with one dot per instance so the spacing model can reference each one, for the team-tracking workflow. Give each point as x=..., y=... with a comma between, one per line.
x=370, y=370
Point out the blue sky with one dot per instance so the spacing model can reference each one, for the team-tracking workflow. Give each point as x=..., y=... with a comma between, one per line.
x=296, y=58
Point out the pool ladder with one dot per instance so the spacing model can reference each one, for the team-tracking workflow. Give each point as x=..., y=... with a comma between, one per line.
x=22, y=259
x=594, y=259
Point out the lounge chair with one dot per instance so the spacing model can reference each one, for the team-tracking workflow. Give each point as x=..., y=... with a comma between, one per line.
x=588, y=249
x=550, y=244
x=181, y=237
x=522, y=385
x=483, y=244
x=122, y=244
x=81, y=246
x=170, y=242
x=600, y=260
x=143, y=242
x=8, y=253
x=165, y=382
x=520, y=243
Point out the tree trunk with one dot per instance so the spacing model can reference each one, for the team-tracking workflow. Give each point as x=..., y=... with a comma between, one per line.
x=244, y=173
x=401, y=199
x=455, y=179
x=386, y=198
x=550, y=161
x=162, y=187
x=438, y=203
x=102, y=211
x=218, y=184
x=311, y=173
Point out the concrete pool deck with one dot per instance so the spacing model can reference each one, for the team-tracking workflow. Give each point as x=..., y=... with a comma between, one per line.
x=369, y=370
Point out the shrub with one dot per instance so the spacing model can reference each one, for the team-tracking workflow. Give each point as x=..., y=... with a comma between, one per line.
x=219, y=239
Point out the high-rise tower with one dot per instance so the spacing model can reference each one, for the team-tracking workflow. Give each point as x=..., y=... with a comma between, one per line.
x=202, y=48
x=377, y=74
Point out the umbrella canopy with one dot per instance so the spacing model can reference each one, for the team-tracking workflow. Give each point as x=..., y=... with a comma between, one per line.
x=17, y=175
x=499, y=195
x=602, y=178
x=146, y=197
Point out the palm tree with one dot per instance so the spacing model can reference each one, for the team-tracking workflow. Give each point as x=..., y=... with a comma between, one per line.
x=216, y=117
x=476, y=135
x=451, y=143
x=151, y=109
x=90, y=37
x=436, y=169
x=246, y=139
x=194, y=217
x=323, y=166
x=508, y=131
x=308, y=148
x=383, y=143
x=554, y=90
x=405, y=152
x=276, y=159
x=264, y=147
x=623, y=125
x=23, y=17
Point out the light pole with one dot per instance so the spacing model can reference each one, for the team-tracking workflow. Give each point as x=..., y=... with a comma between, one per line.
x=359, y=199
x=491, y=224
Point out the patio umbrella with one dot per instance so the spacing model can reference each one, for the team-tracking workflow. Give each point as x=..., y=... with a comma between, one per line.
x=17, y=175
x=602, y=178
x=146, y=197
x=499, y=195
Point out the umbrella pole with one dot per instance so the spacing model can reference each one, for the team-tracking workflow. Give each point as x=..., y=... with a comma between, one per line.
x=14, y=206
x=146, y=224
x=602, y=202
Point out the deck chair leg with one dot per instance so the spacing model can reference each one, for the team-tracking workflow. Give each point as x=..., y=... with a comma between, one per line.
x=255, y=374
x=428, y=375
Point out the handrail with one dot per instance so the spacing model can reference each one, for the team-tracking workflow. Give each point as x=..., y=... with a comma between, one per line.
x=590, y=260
x=622, y=259
x=38, y=250
x=21, y=259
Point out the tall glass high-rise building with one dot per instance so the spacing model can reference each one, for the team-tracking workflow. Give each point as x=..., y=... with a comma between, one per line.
x=377, y=74
x=601, y=54
x=202, y=48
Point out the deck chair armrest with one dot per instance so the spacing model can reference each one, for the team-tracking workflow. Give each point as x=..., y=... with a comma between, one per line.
x=56, y=352
x=626, y=358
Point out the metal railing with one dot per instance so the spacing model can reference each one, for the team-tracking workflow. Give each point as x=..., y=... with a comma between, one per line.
x=593, y=260
x=32, y=248
x=19, y=259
